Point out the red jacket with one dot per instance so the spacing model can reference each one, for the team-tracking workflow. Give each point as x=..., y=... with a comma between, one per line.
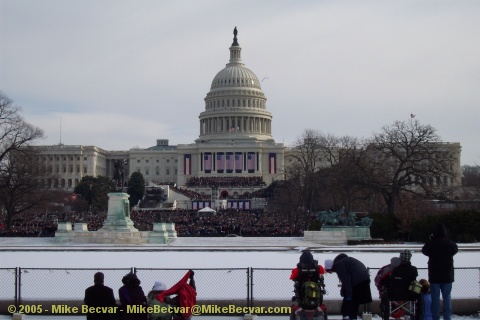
x=187, y=296
x=294, y=274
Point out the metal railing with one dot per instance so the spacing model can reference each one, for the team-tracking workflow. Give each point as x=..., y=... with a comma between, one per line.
x=252, y=287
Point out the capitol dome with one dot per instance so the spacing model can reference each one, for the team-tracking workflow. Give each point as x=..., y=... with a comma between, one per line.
x=235, y=106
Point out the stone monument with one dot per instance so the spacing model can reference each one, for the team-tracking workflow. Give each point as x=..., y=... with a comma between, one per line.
x=117, y=228
x=347, y=222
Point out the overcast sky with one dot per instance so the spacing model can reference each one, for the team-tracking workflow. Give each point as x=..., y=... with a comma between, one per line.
x=121, y=74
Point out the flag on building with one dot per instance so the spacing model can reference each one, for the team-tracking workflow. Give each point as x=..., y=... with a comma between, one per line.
x=207, y=162
x=238, y=162
x=187, y=164
x=220, y=162
x=229, y=162
x=272, y=163
x=251, y=162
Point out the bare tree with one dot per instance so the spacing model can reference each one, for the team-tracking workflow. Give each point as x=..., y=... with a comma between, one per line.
x=308, y=158
x=15, y=136
x=24, y=184
x=471, y=181
x=15, y=133
x=408, y=157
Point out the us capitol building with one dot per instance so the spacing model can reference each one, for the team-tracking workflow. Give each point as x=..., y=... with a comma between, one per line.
x=235, y=140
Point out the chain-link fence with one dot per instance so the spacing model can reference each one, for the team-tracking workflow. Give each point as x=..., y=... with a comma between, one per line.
x=239, y=286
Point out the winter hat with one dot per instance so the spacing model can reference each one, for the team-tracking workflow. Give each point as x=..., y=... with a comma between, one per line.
x=440, y=231
x=395, y=262
x=306, y=257
x=159, y=286
x=328, y=264
x=405, y=255
x=98, y=277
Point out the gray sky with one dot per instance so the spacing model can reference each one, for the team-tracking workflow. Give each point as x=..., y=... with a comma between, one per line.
x=120, y=74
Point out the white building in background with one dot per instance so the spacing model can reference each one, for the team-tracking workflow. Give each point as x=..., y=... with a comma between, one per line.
x=235, y=140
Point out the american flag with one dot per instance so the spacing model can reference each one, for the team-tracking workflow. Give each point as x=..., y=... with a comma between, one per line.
x=251, y=162
x=229, y=162
x=207, y=162
x=272, y=163
x=187, y=164
x=220, y=162
x=238, y=161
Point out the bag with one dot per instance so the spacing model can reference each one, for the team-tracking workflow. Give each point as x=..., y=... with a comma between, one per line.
x=415, y=288
x=311, y=295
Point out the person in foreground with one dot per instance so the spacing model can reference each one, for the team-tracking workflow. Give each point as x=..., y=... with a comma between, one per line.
x=131, y=294
x=160, y=310
x=355, y=280
x=99, y=295
x=440, y=251
x=186, y=296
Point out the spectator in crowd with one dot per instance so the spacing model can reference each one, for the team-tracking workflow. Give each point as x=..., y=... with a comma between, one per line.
x=161, y=310
x=100, y=295
x=306, y=261
x=440, y=251
x=131, y=294
x=186, y=296
x=402, y=276
x=383, y=276
x=355, y=280
x=424, y=306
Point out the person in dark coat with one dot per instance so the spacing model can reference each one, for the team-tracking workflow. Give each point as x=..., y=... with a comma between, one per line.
x=100, y=295
x=131, y=294
x=355, y=280
x=401, y=278
x=440, y=251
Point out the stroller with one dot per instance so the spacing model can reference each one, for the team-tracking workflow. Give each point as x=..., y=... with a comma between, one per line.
x=309, y=288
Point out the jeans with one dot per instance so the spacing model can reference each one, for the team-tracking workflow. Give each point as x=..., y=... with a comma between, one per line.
x=446, y=289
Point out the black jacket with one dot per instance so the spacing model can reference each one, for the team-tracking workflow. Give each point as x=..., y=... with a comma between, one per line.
x=400, y=280
x=440, y=252
x=99, y=295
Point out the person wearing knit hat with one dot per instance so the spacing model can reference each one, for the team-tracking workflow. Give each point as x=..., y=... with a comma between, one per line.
x=99, y=295
x=405, y=255
x=440, y=251
x=306, y=261
x=402, y=276
x=158, y=306
x=307, y=269
x=131, y=294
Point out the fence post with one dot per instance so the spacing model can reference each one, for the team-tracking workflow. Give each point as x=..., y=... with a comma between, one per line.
x=17, y=287
x=251, y=287
x=248, y=286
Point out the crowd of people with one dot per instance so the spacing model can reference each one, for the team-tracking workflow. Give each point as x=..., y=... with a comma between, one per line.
x=401, y=294
x=188, y=223
x=232, y=182
x=174, y=303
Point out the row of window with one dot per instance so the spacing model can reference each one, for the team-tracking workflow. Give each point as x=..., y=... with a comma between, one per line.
x=146, y=172
x=157, y=160
x=64, y=169
x=246, y=103
x=64, y=158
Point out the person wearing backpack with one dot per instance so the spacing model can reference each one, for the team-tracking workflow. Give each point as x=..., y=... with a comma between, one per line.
x=355, y=280
x=309, y=286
